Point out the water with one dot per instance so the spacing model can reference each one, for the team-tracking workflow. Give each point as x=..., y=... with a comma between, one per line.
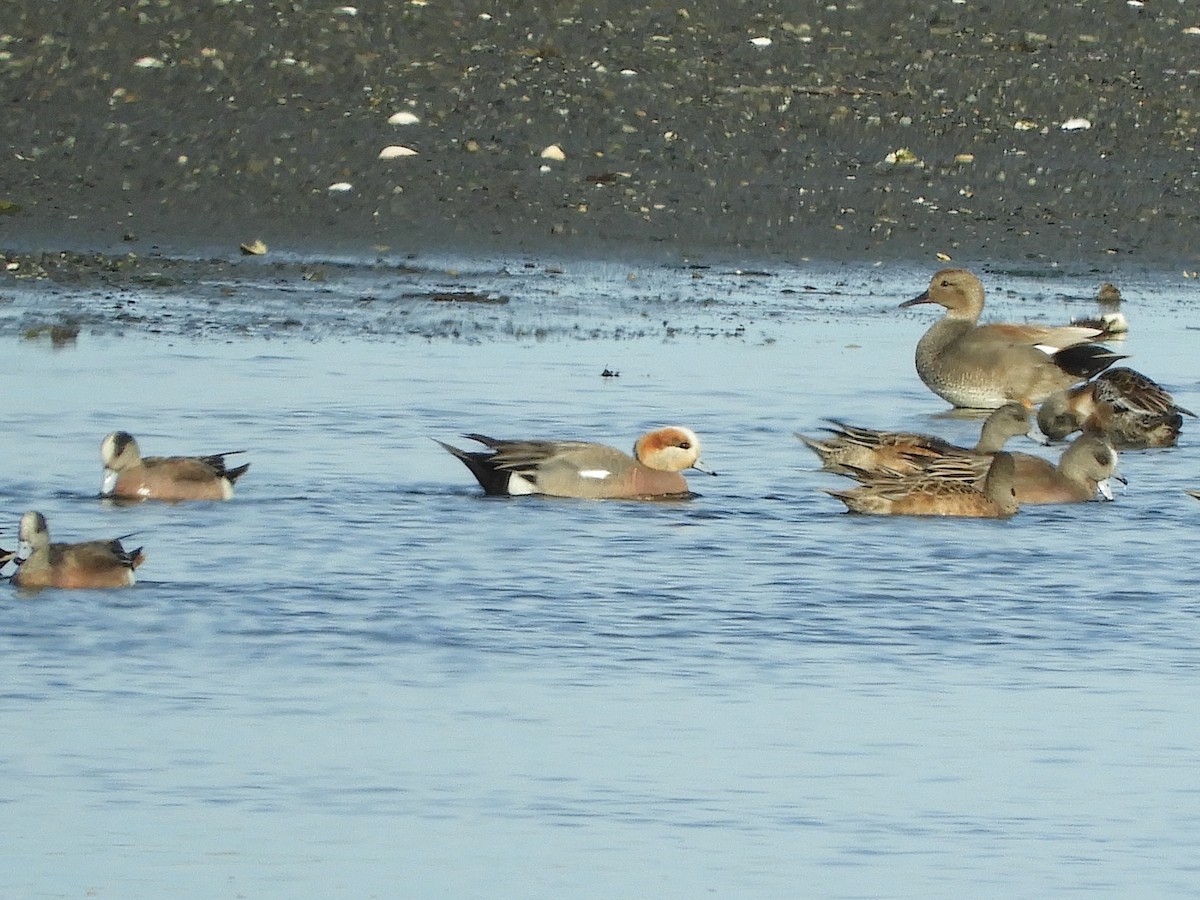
x=361, y=678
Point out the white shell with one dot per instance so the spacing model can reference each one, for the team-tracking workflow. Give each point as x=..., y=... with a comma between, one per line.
x=340, y=187
x=404, y=117
x=148, y=62
x=761, y=41
x=1076, y=124
x=554, y=152
x=395, y=151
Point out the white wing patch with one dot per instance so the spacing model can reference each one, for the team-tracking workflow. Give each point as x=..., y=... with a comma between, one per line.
x=598, y=474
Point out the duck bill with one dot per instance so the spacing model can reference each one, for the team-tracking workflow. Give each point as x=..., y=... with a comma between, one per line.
x=920, y=298
x=700, y=467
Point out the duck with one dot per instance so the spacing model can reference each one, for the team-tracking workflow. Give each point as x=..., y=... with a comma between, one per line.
x=585, y=470
x=851, y=449
x=90, y=564
x=1086, y=467
x=985, y=366
x=129, y=475
x=924, y=495
x=1128, y=408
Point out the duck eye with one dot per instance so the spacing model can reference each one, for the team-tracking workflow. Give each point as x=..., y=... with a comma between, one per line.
x=684, y=445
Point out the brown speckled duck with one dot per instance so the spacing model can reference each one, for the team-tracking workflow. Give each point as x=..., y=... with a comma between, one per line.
x=1128, y=408
x=850, y=449
x=925, y=495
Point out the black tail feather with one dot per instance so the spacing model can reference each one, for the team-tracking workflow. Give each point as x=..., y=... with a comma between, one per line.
x=1086, y=361
x=494, y=481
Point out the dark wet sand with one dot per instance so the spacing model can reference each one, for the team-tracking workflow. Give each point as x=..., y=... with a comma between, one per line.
x=680, y=135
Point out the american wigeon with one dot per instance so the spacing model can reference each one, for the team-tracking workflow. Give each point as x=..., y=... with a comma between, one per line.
x=850, y=449
x=128, y=475
x=985, y=366
x=91, y=564
x=923, y=495
x=1128, y=408
x=1111, y=325
x=1084, y=468
x=586, y=470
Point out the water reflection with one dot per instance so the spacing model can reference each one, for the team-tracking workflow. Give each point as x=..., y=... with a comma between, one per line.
x=361, y=673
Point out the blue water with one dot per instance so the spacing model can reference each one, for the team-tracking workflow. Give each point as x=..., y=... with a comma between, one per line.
x=361, y=678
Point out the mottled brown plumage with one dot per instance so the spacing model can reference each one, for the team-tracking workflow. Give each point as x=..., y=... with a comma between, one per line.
x=925, y=495
x=850, y=449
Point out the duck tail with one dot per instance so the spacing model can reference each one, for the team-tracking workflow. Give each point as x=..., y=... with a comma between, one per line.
x=1086, y=361
x=493, y=480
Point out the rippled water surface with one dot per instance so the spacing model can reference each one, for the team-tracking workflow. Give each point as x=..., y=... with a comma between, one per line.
x=361, y=678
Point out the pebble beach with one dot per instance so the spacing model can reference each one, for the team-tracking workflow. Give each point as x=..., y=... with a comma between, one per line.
x=1026, y=131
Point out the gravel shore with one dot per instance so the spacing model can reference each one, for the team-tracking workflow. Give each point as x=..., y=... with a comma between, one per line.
x=1052, y=132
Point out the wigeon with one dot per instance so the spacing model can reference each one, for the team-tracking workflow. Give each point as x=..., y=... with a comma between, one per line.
x=923, y=495
x=91, y=564
x=985, y=366
x=850, y=449
x=1131, y=410
x=586, y=470
x=128, y=475
x=1085, y=467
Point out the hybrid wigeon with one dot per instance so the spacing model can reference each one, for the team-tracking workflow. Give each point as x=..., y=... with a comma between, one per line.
x=850, y=449
x=91, y=564
x=128, y=475
x=586, y=470
x=1085, y=467
x=985, y=366
x=1130, y=409
x=923, y=495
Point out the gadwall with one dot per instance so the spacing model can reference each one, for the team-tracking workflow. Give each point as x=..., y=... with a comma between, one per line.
x=585, y=470
x=1131, y=410
x=130, y=476
x=985, y=366
x=91, y=564
x=850, y=449
x=924, y=495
